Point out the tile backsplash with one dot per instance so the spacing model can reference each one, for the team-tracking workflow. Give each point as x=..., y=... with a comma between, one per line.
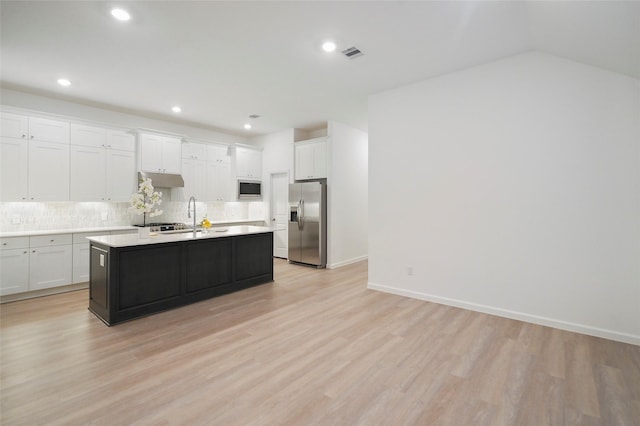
x=32, y=216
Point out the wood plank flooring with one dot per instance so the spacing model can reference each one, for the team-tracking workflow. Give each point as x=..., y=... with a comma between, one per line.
x=316, y=347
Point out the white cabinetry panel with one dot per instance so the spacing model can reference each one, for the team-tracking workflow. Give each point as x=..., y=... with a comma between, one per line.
x=48, y=171
x=248, y=163
x=14, y=163
x=120, y=175
x=311, y=159
x=160, y=154
x=14, y=126
x=88, y=135
x=50, y=261
x=14, y=265
x=44, y=166
x=88, y=169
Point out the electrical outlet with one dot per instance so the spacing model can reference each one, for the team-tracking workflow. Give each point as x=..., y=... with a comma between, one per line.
x=410, y=270
x=15, y=220
x=105, y=216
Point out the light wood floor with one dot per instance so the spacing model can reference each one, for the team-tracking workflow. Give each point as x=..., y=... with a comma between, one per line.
x=314, y=347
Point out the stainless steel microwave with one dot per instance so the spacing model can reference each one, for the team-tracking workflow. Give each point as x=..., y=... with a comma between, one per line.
x=249, y=189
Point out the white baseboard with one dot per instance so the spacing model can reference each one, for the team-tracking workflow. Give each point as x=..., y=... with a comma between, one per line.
x=347, y=262
x=43, y=292
x=534, y=319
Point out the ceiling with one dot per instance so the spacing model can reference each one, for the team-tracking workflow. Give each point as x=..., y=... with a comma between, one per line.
x=222, y=61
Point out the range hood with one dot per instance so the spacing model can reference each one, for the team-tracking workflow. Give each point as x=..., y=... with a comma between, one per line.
x=163, y=180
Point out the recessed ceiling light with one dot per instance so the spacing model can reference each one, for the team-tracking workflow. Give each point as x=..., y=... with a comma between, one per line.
x=328, y=46
x=176, y=109
x=247, y=126
x=120, y=14
x=64, y=82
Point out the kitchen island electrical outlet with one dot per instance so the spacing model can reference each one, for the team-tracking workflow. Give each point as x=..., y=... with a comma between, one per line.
x=410, y=270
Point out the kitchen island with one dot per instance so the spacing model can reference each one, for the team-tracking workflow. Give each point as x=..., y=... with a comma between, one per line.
x=132, y=276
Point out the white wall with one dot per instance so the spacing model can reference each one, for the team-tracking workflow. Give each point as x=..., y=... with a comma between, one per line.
x=512, y=188
x=347, y=195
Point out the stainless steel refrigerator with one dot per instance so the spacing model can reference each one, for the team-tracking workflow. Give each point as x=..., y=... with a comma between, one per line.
x=308, y=223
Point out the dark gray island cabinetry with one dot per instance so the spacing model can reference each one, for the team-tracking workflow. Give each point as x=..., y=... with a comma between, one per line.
x=133, y=277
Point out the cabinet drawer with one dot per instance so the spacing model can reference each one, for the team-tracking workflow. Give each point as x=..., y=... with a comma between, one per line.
x=50, y=240
x=14, y=243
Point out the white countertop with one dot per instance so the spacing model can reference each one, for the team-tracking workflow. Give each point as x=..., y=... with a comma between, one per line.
x=129, y=240
x=66, y=231
x=107, y=229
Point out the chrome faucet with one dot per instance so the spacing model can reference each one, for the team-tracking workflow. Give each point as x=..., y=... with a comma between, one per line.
x=194, y=213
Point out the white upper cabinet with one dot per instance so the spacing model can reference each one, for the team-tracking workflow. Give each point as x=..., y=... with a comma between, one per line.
x=35, y=159
x=102, y=164
x=88, y=171
x=14, y=166
x=160, y=154
x=194, y=151
x=248, y=163
x=120, y=174
x=218, y=154
x=121, y=140
x=14, y=126
x=45, y=130
x=48, y=171
x=88, y=135
x=311, y=159
x=206, y=170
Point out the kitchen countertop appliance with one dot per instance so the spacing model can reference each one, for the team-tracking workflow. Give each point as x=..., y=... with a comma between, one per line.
x=308, y=223
x=167, y=228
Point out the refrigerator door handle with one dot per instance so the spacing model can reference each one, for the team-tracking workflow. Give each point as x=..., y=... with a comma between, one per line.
x=299, y=211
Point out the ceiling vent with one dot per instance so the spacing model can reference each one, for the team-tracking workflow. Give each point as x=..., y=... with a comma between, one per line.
x=352, y=52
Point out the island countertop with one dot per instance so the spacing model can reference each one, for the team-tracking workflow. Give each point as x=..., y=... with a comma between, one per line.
x=130, y=240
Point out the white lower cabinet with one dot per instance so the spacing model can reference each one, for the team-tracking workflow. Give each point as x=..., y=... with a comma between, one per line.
x=81, y=256
x=14, y=265
x=81, y=262
x=50, y=261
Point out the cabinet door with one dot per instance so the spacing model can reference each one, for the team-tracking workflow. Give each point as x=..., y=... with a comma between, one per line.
x=248, y=163
x=151, y=153
x=14, y=271
x=14, y=126
x=14, y=175
x=218, y=154
x=218, y=181
x=121, y=140
x=48, y=171
x=320, y=160
x=80, y=263
x=88, y=136
x=120, y=175
x=87, y=173
x=194, y=173
x=304, y=162
x=45, y=130
x=50, y=266
x=194, y=151
x=171, y=155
